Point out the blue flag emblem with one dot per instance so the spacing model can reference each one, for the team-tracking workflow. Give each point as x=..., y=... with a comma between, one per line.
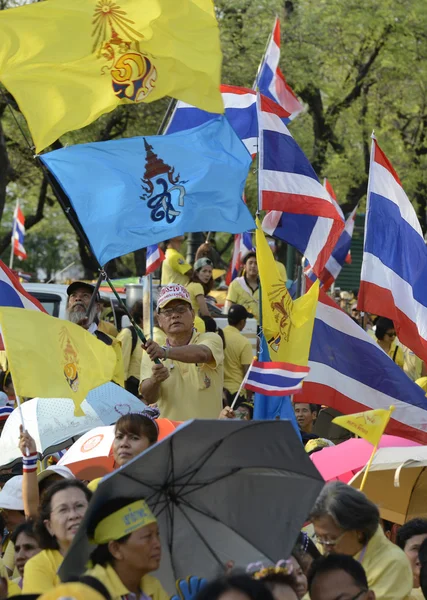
x=132, y=193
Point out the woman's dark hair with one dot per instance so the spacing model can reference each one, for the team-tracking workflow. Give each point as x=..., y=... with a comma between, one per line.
x=102, y=555
x=253, y=589
x=274, y=579
x=207, y=287
x=138, y=424
x=27, y=527
x=47, y=541
x=212, y=327
x=382, y=325
x=5, y=379
x=136, y=311
x=305, y=545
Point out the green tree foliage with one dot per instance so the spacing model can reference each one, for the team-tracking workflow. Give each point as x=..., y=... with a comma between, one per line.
x=357, y=66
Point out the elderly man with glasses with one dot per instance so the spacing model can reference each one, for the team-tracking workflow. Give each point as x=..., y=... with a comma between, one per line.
x=338, y=577
x=188, y=384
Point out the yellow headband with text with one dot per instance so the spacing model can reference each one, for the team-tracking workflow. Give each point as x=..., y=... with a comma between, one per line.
x=123, y=521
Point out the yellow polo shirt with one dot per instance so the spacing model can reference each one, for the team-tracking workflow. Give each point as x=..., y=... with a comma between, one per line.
x=149, y=585
x=131, y=360
x=282, y=270
x=240, y=293
x=41, y=572
x=195, y=289
x=192, y=391
x=174, y=268
x=387, y=568
x=238, y=352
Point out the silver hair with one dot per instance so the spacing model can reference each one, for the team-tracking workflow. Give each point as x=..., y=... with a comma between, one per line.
x=76, y=314
x=350, y=509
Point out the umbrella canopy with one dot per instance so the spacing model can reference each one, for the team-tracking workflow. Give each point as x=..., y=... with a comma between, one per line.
x=52, y=424
x=221, y=490
x=397, y=483
x=91, y=455
x=345, y=460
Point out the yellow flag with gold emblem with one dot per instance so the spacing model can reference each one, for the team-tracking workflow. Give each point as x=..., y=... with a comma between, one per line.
x=287, y=325
x=67, y=62
x=52, y=358
x=369, y=424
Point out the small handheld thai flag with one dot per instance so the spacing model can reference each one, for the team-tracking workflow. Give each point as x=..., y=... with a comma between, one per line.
x=18, y=233
x=276, y=378
x=270, y=80
x=154, y=258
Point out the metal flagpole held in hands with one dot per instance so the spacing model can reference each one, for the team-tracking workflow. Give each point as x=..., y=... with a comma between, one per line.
x=95, y=293
x=138, y=330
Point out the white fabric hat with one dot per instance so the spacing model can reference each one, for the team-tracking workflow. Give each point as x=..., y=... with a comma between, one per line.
x=61, y=470
x=11, y=494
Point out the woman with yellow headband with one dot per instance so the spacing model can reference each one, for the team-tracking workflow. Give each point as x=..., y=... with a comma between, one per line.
x=128, y=549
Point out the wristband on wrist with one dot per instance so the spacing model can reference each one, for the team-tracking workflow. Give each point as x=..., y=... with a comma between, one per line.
x=166, y=349
x=29, y=463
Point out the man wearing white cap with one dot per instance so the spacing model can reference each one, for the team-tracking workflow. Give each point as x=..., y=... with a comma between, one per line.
x=188, y=384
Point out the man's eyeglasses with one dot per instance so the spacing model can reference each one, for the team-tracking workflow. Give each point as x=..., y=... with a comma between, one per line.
x=329, y=543
x=178, y=310
x=357, y=596
x=391, y=333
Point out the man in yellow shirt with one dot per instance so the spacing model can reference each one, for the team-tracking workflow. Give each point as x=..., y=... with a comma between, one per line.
x=238, y=352
x=188, y=384
x=175, y=269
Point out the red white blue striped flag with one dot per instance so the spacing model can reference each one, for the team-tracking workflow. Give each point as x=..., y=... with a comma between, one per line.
x=275, y=378
x=18, y=234
x=154, y=258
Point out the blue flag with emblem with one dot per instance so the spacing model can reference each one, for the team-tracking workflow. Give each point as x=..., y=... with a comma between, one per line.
x=134, y=192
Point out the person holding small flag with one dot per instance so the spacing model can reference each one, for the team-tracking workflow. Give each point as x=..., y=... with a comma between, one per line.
x=188, y=384
x=238, y=353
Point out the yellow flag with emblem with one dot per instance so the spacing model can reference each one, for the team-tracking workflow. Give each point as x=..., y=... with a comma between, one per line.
x=369, y=424
x=287, y=325
x=52, y=358
x=66, y=62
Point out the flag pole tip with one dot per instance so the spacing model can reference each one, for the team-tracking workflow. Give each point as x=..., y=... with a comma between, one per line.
x=373, y=135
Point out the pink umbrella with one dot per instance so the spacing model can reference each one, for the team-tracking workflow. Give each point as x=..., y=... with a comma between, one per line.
x=345, y=460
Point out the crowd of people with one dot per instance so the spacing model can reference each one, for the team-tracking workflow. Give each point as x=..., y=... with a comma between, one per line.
x=192, y=369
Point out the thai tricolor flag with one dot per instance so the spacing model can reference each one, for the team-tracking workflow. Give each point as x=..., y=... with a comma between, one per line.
x=271, y=81
x=18, y=233
x=153, y=259
x=394, y=269
x=351, y=373
x=302, y=212
x=13, y=294
x=275, y=378
x=242, y=245
x=341, y=253
x=240, y=110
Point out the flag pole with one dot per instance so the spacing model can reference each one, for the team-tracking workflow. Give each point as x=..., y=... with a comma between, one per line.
x=12, y=241
x=368, y=466
x=244, y=380
x=261, y=64
x=138, y=330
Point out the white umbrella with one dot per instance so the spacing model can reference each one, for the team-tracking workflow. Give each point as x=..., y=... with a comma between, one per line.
x=52, y=424
x=397, y=483
x=221, y=490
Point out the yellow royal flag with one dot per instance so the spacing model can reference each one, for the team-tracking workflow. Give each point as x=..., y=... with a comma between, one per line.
x=67, y=62
x=52, y=358
x=287, y=324
x=369, y=425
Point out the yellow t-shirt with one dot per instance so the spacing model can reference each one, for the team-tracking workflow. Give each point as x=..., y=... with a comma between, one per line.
x=149, y=585
x=282, y=271
x=174, y=268
x=41, y=572
x=192, y=391
x=238, y=352
x=131, y=360
x=413, y=366
x=195, y=289
x=398, y=358
x=240, y=293
x=387, y=568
